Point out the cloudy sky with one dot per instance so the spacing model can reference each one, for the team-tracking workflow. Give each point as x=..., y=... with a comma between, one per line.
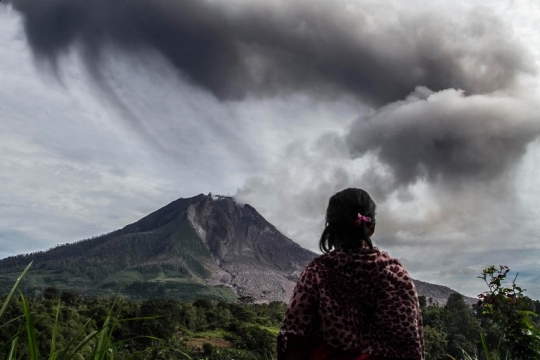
x=110, y=110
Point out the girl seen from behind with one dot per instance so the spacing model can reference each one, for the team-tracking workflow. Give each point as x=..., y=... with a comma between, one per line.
x=354, y=302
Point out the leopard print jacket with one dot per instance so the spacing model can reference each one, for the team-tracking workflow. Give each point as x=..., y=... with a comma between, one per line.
x=360, y=301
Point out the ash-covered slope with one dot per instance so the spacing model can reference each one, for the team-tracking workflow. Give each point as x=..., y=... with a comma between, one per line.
x=260, y=261
x=438, y=293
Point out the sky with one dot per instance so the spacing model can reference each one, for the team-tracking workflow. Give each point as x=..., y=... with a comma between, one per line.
x=111, y=110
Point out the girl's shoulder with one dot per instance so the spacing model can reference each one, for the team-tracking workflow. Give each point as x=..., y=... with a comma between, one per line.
x=365, y=257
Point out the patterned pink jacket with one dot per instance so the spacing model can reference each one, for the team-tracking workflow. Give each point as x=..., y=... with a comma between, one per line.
x=359, y=301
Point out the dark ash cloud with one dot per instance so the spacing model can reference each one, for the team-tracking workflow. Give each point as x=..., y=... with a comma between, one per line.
x=447, y=137
x=263, y=49
x=449, y=112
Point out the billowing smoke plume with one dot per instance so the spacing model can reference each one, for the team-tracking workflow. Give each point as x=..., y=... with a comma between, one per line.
x=379, y=52
x=448, y=105
x=448, y=137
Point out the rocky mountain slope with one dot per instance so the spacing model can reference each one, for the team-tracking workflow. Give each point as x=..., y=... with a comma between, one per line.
x=205, y=246
x=438, y=293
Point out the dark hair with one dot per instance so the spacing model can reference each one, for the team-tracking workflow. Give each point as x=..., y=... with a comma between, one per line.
x=341, y=214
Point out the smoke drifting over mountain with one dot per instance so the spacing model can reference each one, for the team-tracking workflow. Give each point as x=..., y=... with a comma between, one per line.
x=378, y=52
x=448, y=108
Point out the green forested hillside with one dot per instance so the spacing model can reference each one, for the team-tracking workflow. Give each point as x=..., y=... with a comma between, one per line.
x=170, y=262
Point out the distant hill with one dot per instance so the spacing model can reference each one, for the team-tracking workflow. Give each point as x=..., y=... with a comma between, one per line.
x=201, y=247
x=438, y=293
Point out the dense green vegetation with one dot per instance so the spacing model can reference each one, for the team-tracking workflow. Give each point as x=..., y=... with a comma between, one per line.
x=60, y=324
x=503, y=325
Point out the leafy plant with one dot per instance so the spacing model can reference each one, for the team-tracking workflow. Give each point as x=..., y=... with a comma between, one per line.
x=510, y=309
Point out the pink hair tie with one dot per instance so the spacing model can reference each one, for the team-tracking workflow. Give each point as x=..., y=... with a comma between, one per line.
x=361, y=219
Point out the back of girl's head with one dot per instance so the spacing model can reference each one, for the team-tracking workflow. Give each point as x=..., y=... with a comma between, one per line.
x=343, y=227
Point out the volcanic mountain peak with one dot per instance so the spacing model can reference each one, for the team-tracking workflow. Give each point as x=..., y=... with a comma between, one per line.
x=204, y=246
x=207, y=246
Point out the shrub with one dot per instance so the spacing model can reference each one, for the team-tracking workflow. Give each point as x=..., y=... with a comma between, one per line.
x=511, y=311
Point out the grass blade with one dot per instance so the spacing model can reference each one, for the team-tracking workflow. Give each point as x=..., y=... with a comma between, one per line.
x=485, y=346
x=183, y=353
x=102, y=344
x=83, y=342
x=10, y=321
x=31, y=331
x=53, y=354
x=13, y=290
x=13, y=351
x=63, y=354
x=10, y=340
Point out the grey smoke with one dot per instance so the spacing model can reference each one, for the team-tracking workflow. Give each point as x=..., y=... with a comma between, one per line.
x=447, y=137
x=263, y=49
x=444, y=85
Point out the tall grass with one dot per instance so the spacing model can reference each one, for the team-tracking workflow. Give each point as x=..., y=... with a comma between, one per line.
x=488, y=354
x=100, y=341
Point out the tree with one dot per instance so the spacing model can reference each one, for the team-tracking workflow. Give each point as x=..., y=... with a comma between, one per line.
x=461, y=327
x=435, y=344
x=51, y=293
x=245, y=300
x=70, y=297
x=433, y=316
x=422, y=301
x=203, y=303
